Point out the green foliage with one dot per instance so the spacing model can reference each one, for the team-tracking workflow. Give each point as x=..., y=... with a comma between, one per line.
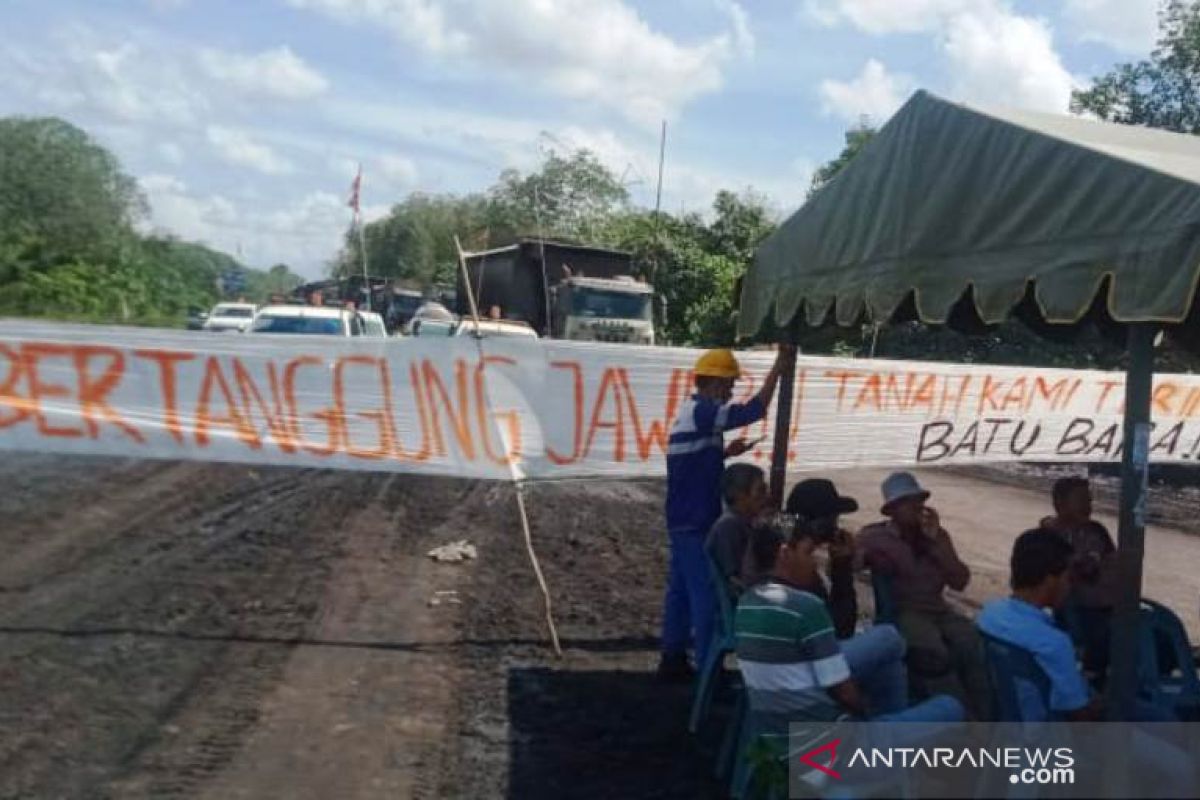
x=1162, y=91
x=68, y=248
x=569, y=197
x=58, y=185
x=415, y=241
x=740, y=223
x=694, y=266
x=856, y=139
x=769, y=768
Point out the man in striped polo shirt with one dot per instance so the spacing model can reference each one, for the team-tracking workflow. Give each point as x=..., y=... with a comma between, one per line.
x=789, y=654
x=696, y=454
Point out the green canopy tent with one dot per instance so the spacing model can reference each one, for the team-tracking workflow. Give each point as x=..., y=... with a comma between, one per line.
x=962, y=216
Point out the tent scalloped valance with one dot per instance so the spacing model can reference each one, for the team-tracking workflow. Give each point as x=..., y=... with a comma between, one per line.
x=948, y=199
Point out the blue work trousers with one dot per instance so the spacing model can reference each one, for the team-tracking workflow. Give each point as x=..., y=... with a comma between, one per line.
x=689, y=606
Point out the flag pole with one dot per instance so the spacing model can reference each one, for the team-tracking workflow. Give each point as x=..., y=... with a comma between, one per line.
x=362, y=246
x=362, y=237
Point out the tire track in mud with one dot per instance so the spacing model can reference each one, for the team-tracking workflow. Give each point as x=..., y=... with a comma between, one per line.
x=195, y=569
x=369, y=721
x=204, y=726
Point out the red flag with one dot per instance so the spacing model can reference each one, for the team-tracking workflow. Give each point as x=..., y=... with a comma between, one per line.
x=354, y=190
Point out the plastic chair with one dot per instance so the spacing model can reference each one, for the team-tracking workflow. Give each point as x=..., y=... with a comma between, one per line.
x=1007, y=664
x=723, y=642
x=1158, y=682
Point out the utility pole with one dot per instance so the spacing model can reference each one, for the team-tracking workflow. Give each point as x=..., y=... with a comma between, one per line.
x=662, y=155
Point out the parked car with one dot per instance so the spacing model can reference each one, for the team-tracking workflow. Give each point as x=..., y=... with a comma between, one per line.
x=373, y=324
x=310, y=320
x=229, y=317
x=495, y=327
x=196, y=317
x=432, y=319
x=402, y=304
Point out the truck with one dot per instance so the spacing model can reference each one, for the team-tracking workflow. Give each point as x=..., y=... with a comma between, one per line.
x=563, y=291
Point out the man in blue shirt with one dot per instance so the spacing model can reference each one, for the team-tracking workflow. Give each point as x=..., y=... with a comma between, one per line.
x=696, y=454
x=1041, y=580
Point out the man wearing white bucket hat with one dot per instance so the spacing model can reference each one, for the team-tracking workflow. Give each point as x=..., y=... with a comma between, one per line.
x=913, y=549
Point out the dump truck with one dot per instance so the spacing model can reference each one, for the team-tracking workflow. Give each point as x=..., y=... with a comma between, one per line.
x=563, y=291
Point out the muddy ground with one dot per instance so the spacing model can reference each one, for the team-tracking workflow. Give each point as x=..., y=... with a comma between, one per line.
x=184, y=630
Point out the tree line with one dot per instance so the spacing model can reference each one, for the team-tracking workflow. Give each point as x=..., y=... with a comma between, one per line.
x=69, y=244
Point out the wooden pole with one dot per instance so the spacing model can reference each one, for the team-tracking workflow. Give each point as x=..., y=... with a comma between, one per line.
x=362, y=242
x=783, y=420
x=518, y=484
x=1131, y=537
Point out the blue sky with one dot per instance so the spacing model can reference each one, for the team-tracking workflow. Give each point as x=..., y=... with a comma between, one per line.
x=244, y=119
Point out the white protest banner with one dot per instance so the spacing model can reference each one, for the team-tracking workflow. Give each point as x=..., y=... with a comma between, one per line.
x=500, y=408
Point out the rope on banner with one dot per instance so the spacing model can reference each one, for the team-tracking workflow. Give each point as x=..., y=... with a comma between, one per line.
x=518, y=483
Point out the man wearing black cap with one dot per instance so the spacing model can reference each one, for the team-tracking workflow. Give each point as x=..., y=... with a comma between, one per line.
x=816, y=506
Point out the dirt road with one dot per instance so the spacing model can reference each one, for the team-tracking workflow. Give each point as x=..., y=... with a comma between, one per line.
x=183, y=630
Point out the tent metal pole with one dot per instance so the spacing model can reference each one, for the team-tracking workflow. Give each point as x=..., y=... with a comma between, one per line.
x=1135, y=478
x=783, y=419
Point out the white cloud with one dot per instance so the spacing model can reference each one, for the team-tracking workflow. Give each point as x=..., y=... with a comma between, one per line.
x=887, y=16
x=271, y=73
x=875, y=93
x=78, y=71
x=398, y=169
x=1129, y=26
x=994, y=55
x=298, y=234
x=237, y=147
x=593, y=51
x=1001, y=58
x=743, y=37
x=174, y=210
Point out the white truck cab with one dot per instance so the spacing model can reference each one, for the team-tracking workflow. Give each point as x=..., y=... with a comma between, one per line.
x=605, y=310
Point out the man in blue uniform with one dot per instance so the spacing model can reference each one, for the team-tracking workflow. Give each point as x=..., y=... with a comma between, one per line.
x=696, y=454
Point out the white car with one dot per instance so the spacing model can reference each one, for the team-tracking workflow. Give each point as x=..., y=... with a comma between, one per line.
x=495, y=327
x=229, y=317
x=434, y=317
x=313, y=321
x=372, y=324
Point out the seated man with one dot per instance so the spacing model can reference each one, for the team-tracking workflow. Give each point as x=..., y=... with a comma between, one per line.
x=1093, y=568
x=817, y=507
x=915, y=551
x=744, y=489
x=793, y=666
x=1040, y=580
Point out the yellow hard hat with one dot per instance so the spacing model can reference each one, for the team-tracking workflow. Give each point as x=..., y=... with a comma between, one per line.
x=717, y=364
